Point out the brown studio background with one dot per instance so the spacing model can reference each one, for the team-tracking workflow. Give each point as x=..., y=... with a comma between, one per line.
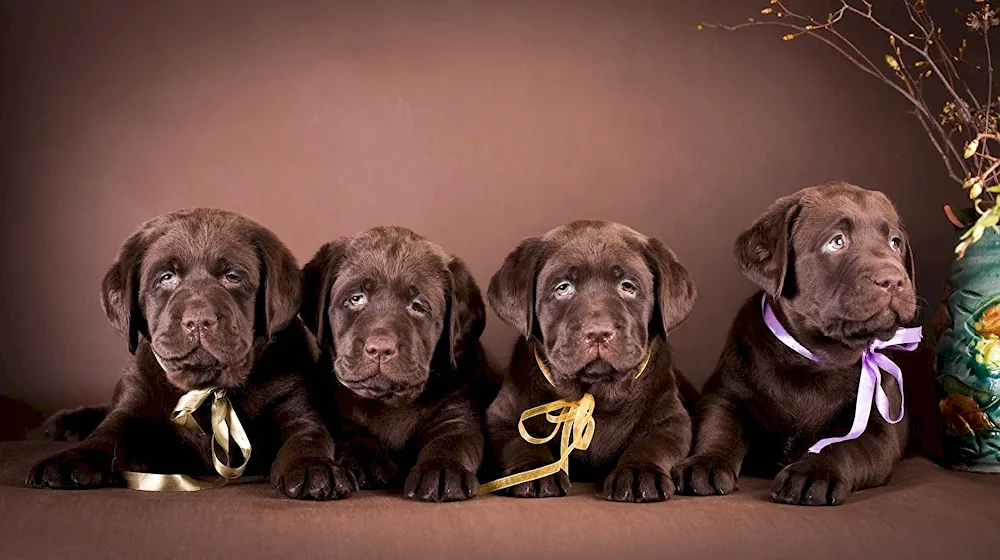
x=474, y=123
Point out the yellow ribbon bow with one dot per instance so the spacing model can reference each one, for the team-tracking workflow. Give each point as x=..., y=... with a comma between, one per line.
x=575, y=418
x=225, y=424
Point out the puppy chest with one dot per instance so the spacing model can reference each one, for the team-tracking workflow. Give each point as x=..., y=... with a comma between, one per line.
x=612, y=434
x=793, y=422
x=394, y=430
x=806, y=404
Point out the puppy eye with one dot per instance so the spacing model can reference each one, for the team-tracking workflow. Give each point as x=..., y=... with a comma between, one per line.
x=356, y=301
x=564, y=289
x=628, y=288
x=418, y=307
x=837, y=243
x=895, y=243
x=233, y=278
x=167, y=279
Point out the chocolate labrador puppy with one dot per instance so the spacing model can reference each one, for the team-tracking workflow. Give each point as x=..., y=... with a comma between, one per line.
x=205, y=298
x=594, y=301
x=398, y=322
x=836, y=268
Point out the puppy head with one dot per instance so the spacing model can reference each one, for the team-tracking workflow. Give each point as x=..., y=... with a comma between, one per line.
x=594, y=294
x=207, y=288
x=391, y=307
x=838, y=258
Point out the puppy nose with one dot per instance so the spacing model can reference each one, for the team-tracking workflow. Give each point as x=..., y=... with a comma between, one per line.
x=380, y=348
x=598, y=332
x=890, y=280
x=199, y=318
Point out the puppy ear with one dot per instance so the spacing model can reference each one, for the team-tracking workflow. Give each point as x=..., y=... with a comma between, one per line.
x=763, y=252
x=466, y=312
x=674, y=288
x=281, y=285
x=512, y=289
x=317, y=279
x=120, y=290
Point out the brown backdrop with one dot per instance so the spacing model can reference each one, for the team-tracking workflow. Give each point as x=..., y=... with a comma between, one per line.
x=474, y=123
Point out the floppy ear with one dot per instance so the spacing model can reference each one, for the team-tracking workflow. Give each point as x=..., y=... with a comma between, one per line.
x=120, y=290
x=762, y=252
x=281, y=285
x=512, y=289
x=317, y=280
x=466, y=312
x=674, y=288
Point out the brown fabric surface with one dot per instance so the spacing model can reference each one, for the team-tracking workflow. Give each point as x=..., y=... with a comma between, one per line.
x=926, y=512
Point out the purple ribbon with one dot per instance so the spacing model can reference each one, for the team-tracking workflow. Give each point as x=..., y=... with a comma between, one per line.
x=870, y=385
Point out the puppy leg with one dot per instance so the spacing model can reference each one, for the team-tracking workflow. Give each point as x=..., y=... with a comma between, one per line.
x=643, y=471
x=829, y=477
x=364, y=459
x=515, y=455
x=719, y=449
x=304, y=467
x=95, y=462
x=450, y=452
x=74, y=424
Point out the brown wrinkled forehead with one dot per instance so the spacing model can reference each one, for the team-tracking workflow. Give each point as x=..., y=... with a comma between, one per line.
x=595, y=245
x=395, y=255
x=201, y=236
x=825, y=205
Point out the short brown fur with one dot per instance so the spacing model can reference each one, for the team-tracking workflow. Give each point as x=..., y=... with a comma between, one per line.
x=213, y=296
x=765, y=405
x=398, y=321
x=560, y=291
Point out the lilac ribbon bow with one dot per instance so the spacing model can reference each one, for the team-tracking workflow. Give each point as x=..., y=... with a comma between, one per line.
x=870, y=385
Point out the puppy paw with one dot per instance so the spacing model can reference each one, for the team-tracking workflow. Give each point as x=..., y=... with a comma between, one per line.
x=552, y=486
x=638, y=483
x=371, y=472
x=810, y=483
x=75, y=469
x=73, y=424
x=315, y=478
x=704, y=475
x=440, y=482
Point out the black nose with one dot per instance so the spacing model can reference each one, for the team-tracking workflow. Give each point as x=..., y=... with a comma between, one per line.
x=381, y=348
x=891, y=280
x=598, y=331
x=199, y=318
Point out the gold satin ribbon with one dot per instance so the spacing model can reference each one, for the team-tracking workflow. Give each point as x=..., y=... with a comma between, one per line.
x=575, y=418
x=225, y=424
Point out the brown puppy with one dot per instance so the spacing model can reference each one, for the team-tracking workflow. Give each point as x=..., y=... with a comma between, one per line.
x=205, y=298
x=398, y=322
x=836, y=266
x=593, y=299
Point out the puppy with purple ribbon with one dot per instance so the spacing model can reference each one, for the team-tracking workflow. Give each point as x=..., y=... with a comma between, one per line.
x=803, y=388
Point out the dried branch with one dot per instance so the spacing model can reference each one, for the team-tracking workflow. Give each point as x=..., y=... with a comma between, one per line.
x=965, y=131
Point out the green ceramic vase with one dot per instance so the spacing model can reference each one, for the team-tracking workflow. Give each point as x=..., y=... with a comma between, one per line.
x=968, y=359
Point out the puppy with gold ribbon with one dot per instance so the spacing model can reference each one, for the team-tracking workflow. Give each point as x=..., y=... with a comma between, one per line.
x=593, y=302
x=207, y=300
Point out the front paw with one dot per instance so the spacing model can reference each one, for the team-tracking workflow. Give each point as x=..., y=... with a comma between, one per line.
x=552, y=486
x=75, y=469
x=315, y=478
x=704, y=475
x=440, y=482
x=810, y=483
x=371, y=472
x=638, y=483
